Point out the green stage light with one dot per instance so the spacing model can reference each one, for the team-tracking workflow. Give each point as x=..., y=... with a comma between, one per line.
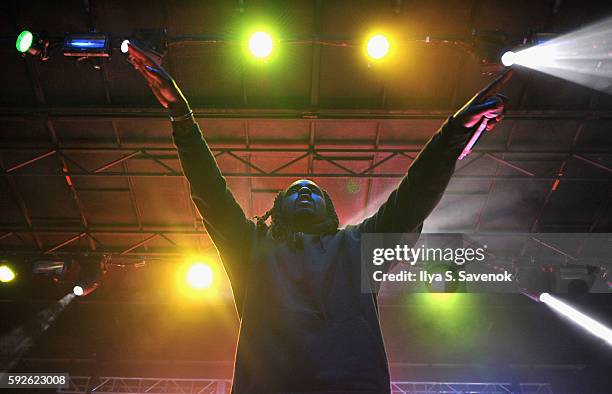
x=24, y=41
x=6, y=274
x=32, y=44
x=261, y=44
x=446, y=318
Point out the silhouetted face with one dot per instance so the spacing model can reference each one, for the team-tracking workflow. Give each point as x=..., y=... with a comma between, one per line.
x=304, y=204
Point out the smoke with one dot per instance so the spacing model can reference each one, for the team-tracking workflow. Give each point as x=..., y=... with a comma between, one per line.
x=21, y=339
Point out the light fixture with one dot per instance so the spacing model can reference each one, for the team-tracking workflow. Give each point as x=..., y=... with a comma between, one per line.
x=125, y=46
x=32, y=44
x=49, y=267
x=377, y=47
x=261, y=44
x=6, y=274
x=91, y=275
x=24, y=42
x=87, y=45
x=199, y=276
x=508, y=58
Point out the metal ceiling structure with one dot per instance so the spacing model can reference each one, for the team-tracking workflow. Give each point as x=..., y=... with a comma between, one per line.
x=269, y=127
x=87, y=166
x=370, y=160
x=112, y=385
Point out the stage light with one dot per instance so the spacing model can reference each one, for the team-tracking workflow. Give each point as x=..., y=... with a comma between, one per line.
x=261, y=44
x=82, y=290
x=450, y=319
x=199, y=276
x=49, y=267
x=87, y=45
x=508, y=58
x=124, y=46
x=91, y=273
x=24, y=41
x=31, y=43
x=377, y=47
x=589, y=324
x=6, y=274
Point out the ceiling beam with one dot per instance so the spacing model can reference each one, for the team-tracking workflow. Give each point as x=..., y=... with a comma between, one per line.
x=279, y=148
x=299, y=175
x=22, y=207
x=66, y=113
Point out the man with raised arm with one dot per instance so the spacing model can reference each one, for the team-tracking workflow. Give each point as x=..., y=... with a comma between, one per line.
x=306, y=326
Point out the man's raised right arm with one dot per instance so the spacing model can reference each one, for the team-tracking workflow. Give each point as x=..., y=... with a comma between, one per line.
x=222, y=215
x=223, y=218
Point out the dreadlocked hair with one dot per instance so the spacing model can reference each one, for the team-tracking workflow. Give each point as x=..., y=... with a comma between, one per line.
x=281, y=230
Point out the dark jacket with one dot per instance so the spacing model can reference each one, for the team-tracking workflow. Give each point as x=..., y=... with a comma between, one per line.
x=306, y=326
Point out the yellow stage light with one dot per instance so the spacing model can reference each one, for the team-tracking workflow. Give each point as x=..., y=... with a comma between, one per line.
x=378, y=47
x=6, y=274
x=261, y=44
x=199, y=276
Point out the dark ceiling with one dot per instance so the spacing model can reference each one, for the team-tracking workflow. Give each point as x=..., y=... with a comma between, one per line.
x=319, y=112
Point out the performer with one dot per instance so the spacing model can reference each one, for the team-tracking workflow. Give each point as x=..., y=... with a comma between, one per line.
x=306, y=326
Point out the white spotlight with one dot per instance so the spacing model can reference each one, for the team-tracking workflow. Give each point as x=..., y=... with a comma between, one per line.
x=508, y=58
x=591, y=325
x=124, y=46
x=77, y=290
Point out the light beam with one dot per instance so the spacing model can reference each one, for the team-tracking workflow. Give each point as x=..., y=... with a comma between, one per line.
x=17, y=342
x=589, y=324
x=583, y=57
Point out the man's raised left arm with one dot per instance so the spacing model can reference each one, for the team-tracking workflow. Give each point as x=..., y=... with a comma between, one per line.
x=427, y=178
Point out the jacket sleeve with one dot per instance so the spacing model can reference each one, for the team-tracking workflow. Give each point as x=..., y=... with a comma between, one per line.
x=223, y=218
x=423, y=186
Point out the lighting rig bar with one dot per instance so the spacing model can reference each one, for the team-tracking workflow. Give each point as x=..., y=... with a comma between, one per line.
x=157, y=155
x=111, y=385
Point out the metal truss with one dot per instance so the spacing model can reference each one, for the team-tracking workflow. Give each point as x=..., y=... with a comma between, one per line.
x=65, y=113
x=471, y=388
x=329, y=155
x=112, y=385
x=339, y=158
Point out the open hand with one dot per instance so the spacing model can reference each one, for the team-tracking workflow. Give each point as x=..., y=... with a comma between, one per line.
x=161, y=83
x=485, y=104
